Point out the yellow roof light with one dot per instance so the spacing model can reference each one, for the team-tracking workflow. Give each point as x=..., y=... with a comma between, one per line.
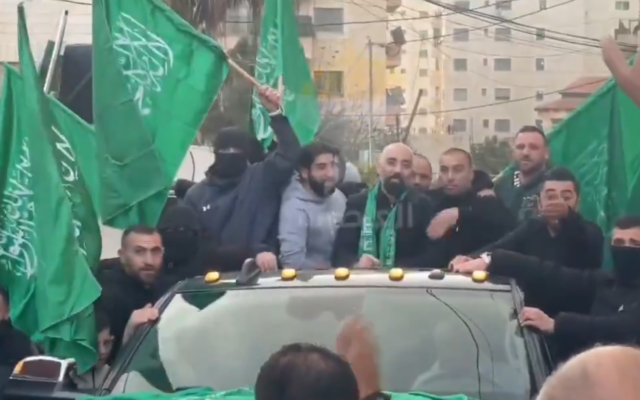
x=212, y=277
x=479, y=276
x=342, y=274
x=288, y=274
x=396, y=274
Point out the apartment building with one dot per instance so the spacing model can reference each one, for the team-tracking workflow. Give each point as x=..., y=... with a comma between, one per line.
x=418, y=70
x=497, y=74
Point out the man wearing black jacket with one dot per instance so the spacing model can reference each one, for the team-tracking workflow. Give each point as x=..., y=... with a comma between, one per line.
x=560, y=234
x=613, y=298
x=465, y=222
x=238, y=202
x=386, y=225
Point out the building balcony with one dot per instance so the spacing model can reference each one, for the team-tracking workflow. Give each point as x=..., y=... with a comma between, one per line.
x=394, y=55
x=393, y=5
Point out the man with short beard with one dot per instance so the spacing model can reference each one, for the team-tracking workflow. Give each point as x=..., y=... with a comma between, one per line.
x=386, y=226
x=520, y=190
x=311, y=210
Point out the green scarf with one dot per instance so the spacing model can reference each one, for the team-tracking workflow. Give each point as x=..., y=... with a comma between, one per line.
x=386, y=252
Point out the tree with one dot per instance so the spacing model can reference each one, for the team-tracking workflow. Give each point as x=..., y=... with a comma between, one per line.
x=492, y=155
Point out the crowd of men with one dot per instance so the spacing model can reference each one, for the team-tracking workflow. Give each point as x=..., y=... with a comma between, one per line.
x=289, y=209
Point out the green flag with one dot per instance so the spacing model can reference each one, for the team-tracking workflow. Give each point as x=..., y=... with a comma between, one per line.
x=51, y=286
x=154, y=80
x=247, y=394
x=281, y=55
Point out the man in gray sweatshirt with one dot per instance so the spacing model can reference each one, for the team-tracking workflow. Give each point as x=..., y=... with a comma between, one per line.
x=311, y=210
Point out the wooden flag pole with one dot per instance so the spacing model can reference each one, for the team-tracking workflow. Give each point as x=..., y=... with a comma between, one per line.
x=244, y=73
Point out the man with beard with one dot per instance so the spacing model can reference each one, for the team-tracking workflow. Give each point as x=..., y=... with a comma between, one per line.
x=422, y=172
x=519, y=190
x=386, y=226
x=238, y=202
x=130, y=287
x=465, y=221
x=311, y=210
x=613, y=298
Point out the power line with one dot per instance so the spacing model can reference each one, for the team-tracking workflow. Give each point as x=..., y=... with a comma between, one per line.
x=494, y=104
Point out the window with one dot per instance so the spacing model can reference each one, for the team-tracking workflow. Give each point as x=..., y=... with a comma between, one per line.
x=424, y=53
x=502, y=94
x=403, y=71
x=422, y=111
x=422, y=131
x=504, y=5
x=328, y=19
x=206, y=326
x=424, y=34
x=622, y=5
x=485, y=62
x=543, y=4
x=539, y=95
x=539, y=124
x=437, y=91
x=423, y=72
x=460, y=34
x=460, y=94
x=329, y=83
x=502, y=35
x=502, y=64
x=423, y=14
x=437, y=36
x=459, y=125
x=483, y=91
x=541, y=33
x=459, y=64
x=502, y=125
x=462, y=4
x=485, y=123
x=539, y=64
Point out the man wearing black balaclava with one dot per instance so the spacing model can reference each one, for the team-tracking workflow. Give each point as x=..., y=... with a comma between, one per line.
x=238, y=202
x=613, y=297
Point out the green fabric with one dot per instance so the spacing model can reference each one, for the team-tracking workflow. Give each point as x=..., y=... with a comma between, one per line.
x=154, y=80
x=51, y=286
x=281, y=55
x=386, y=251
x=247, y=394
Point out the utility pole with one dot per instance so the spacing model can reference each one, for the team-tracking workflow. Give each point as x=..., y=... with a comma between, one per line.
x=370, y=45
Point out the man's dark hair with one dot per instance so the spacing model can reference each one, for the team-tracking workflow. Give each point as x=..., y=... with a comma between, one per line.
x=137, y=229
x=302, y=371
x=310, y=152
x=481, y=180
x=457, y=150
x=533, y=129
x=102, y=320
x=562, y=174
x=628, y=222
x=181, y=187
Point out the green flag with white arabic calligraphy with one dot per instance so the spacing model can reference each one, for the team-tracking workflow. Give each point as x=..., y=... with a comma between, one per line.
x=281, y=55
x=154, y=80
x=50, y=284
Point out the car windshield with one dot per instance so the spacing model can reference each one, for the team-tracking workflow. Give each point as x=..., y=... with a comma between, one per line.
x=443, y=341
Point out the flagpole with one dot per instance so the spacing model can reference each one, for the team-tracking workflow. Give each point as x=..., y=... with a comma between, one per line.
x=62, y=25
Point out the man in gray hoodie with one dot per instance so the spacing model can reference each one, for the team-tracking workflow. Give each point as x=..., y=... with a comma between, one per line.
x=311, y=210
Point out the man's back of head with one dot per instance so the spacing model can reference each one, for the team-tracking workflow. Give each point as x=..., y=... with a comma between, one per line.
x=602, y=373
x=306, y=372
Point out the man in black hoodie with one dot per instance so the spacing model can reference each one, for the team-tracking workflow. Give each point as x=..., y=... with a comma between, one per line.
x=238, y=202
x=612, y=298
x=465, y=221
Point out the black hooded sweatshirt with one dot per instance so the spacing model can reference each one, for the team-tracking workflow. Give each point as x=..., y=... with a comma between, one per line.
x=613, y=305
x=481, y=220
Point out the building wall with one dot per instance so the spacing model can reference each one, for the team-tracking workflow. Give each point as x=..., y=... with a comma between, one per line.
x=563, y=62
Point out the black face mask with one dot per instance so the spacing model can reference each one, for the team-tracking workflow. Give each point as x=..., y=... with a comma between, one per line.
x=320, y=188
x=179, y=244
x=229, y=165
x=626, y=263
x=394, y=186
